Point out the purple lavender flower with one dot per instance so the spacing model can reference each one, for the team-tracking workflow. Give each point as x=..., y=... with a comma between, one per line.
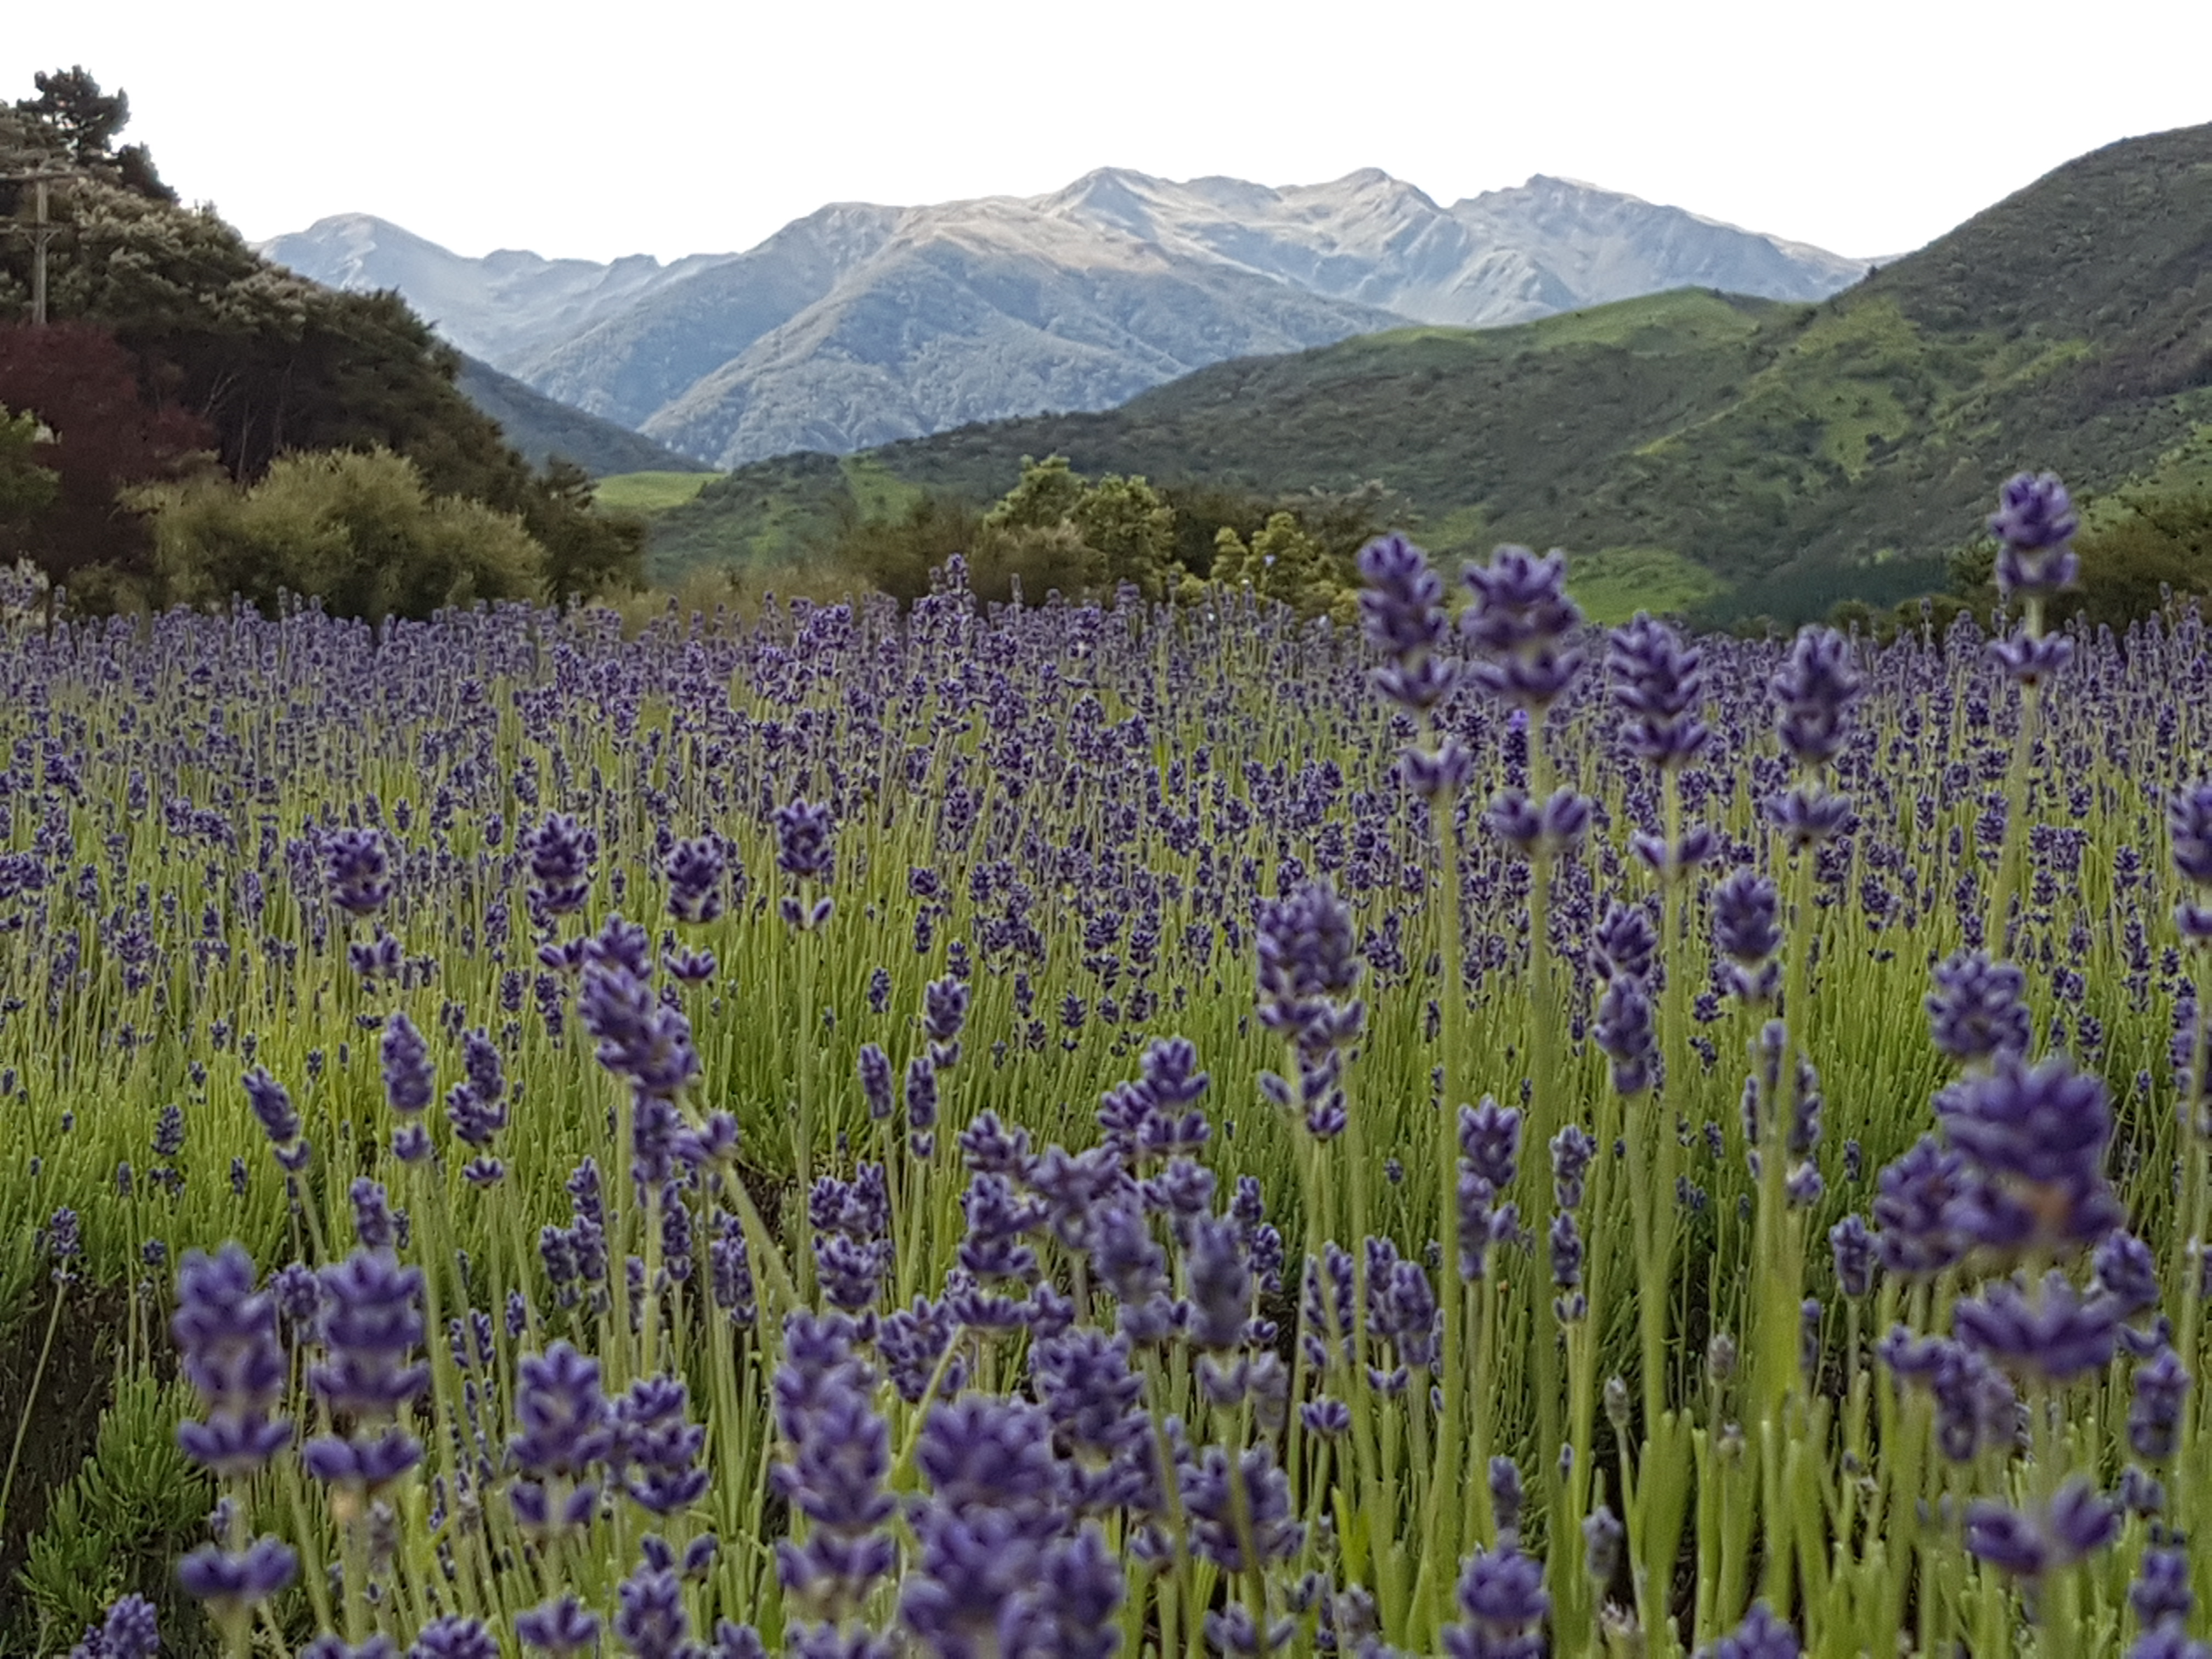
x=2055, y=1337
x=661, y=1447
x=695, y=870
x=1746, y=926
x=1084, y=1588
x=368, y=1462
x=1086, y=1385
x=640, y=1039
x=1914, y=1209
x=272, y=1107
x=1624, y=942
x=839, y=1457
x=1523, y=620
x=64, y=1243
x=2168, y=1642
x=2034, y=1137
x=2028, y=1543
x=225, y=1331
x=410, y=1083
x=1814, y=693
x=876, y=1087
x=128, y=1631
x=1221, y=1280
x=2030, y=659
x=804, y=836
x=561, y=853
x=1401, y=608
x=327, y=1646
x=565, y=1426
x=232, y=1583
x=370, y=1330
x=561, y=1628
x=2162, y=1387
x=476, y=1120
x=1760, y=1636
x=2034, y=521
x=357, y=871
x=2126, y=1274
x=945, y=1009
x=1308, y=955
x=373, y=1225
x=2189, y=823
x=971, y=1596
x=1977, y=1010
x=998, y=1221
x=1657, y=686
x=1602, y=1536
x=1490, y=1140
x=1853, y=1249
x=1623, y=1030
x=2161, y=1596
x=1210, y=1504
x=730, y=1272
x=1572, y=1149
x=651, y=1620
x=1502, y=1605
x=1506, y=1496
x=453, y=1637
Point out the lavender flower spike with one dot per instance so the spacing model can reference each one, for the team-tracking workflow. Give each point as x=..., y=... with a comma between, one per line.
x=1522, y=619
x=2035, y=520
x=1814, y=695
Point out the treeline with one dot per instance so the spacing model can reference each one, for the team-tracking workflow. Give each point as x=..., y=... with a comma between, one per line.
x=2147, y=552
x=1059, y=532
x=189, y=393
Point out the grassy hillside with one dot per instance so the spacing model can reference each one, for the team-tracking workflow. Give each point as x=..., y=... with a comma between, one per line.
x=1792, y=454
x=649, y=492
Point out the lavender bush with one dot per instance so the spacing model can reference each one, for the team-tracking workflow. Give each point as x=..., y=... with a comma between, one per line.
x=1079, y=1131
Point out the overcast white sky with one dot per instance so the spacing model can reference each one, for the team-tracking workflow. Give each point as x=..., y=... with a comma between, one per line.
x=675, y=126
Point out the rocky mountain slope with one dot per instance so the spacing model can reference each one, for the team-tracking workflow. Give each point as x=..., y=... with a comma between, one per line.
x=542, y=429
x=860, y=325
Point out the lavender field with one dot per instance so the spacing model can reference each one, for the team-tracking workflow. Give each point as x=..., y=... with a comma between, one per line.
x=1079, y=1131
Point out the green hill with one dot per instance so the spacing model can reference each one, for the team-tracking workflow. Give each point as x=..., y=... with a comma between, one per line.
x=1798, y=454
x=542, y=429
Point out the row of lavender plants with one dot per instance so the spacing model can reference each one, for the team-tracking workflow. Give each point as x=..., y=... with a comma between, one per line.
x=1079, y=1131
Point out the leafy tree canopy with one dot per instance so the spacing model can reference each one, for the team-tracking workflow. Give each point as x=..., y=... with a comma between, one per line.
x=97, y=434
x=361, y=532
x=78, y=122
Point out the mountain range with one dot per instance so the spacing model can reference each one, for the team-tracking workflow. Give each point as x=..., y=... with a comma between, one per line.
x=862, y=325
x=1753, y=456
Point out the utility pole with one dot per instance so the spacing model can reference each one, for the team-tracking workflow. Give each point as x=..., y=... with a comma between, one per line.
x=40, y=230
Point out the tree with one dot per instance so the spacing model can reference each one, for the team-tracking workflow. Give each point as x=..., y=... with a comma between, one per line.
x=1286, y=563
x=26, y=487
x=82, y=122
x=1133, y=530
x=2156, y=546
x=361, y=532
x=587, y=553
x=105, y=435
x=895, y=555
x=1047, y=496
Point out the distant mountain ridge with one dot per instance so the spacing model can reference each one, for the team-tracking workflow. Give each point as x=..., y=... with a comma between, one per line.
x=1794, y=455
x=860, y=325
